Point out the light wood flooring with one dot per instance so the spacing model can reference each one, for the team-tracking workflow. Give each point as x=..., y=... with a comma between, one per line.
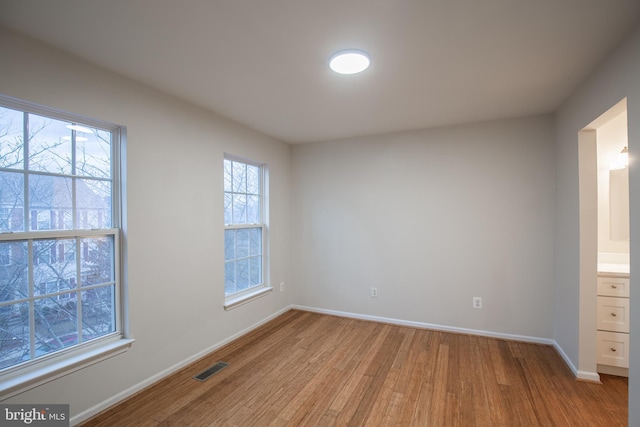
x=309, y=369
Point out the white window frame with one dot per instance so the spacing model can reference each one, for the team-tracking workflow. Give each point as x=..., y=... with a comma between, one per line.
x=246, y=295
x=24, y=376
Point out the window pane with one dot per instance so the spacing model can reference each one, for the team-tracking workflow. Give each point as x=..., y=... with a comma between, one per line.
x=43, y=219
x=14, y=274
x=54, y=266
x=49, y=145
x=242, y=274
x=239, y=209
x=41, y=255
x=228, y=213
x=93, y=204
x=255, y=277
x=47, y=194
x=56, y=323
x=5, y=254
x=229, y=245
x=242, y=243
x=66, y=253
x=14, y=334
x=11, y=201
x=253, y=209
x=229, y=278
x=93, y=154
x=98, y=312
x=255, y=241
x=227, y=175
x=239, y=177
x=96, y=260
x=11, y=138
x=253, y=179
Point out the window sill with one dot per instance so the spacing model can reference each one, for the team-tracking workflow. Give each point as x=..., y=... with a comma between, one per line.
x=40, y=374
x=234, y=302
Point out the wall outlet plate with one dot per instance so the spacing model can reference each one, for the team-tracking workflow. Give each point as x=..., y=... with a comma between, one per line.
x=477, y=302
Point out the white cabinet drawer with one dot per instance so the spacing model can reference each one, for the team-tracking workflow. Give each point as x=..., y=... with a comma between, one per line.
x=613, y=314
x=613, y=349
x=613, y=286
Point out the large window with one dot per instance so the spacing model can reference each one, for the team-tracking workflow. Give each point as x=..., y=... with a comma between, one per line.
x=60, y=285
x=245, y=231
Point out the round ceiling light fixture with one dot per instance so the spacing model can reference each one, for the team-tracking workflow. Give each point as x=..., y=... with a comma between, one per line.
x=349, y=61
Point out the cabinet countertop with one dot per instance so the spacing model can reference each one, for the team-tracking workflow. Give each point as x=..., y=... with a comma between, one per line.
x=607, y=268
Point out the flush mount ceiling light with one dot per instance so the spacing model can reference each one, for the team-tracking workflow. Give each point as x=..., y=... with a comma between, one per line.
x=350, y=61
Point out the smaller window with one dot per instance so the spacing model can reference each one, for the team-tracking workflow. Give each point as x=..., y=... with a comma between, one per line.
x=245, y=230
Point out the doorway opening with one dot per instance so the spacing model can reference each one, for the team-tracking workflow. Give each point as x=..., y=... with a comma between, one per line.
x=604, y=246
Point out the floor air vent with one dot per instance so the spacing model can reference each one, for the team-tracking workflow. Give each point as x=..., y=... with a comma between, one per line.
x=203, y=376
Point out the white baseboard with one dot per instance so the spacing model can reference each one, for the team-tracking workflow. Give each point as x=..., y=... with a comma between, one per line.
x=421, y=325
x=581, y=375
x=592, y=377
x=85, y=415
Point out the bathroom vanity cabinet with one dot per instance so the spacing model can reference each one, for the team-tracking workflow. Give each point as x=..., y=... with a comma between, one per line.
x=613, y=323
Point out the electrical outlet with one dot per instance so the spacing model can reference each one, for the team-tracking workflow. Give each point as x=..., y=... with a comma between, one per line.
x=281, y=286
x=477, y=302
x=374, y=292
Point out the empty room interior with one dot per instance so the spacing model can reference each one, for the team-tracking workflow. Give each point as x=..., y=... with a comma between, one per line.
x=444, y=236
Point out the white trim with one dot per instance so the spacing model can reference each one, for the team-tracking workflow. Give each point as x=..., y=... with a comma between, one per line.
x=237, y=301
x=43, y=110
x=240, y=226
x=105, y=404
x=22, y=382
x=241, y=159
x=56, y=234
x=436, y=327
x=588, y=376
x=581, y=375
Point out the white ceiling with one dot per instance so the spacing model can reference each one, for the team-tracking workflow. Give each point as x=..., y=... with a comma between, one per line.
x=263, y=63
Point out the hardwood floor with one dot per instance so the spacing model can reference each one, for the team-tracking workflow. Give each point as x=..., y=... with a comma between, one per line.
x=308, y=369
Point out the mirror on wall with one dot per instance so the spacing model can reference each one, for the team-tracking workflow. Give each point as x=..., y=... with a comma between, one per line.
x=619, y=204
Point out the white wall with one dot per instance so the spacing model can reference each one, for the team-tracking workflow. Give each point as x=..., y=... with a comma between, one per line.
x=174, y=235
x=616, y=78
x=431, y=218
